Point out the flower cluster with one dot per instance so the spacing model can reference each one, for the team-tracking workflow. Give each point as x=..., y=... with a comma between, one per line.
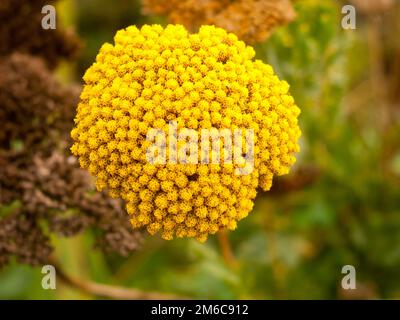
x=205, y=80
x=35, y=108
x=251, y=20
x=22, y=237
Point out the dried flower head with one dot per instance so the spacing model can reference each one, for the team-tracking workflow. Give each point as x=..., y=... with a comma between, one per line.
x=21, y=30
x=35, y=109
x=22, y=237
x=251, y=20
x=56, y=190
x=206, y=80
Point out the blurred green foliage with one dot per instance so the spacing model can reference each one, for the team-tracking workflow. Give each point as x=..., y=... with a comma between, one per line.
x=294, y=243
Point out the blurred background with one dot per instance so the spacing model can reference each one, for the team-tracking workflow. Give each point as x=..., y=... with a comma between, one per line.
x=339, y=206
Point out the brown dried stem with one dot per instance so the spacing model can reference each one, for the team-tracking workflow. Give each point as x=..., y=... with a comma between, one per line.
x=109, y=291
x=226, y=249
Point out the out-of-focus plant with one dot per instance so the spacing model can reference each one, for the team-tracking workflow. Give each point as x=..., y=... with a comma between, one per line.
x=98, y=21
x=21, y=30
x=351, y=214
x=251, y=20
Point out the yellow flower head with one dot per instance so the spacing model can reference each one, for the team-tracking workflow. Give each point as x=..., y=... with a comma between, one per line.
x=155, y=76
